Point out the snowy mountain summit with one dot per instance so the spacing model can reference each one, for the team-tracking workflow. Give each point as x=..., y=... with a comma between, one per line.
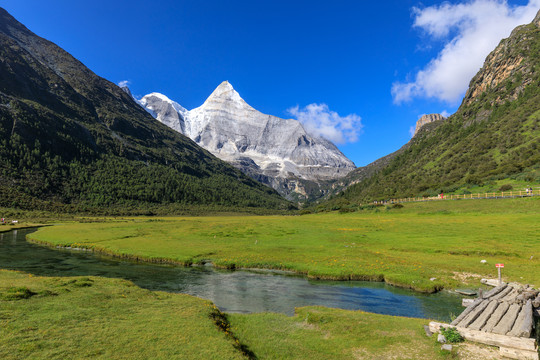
x=276, y=151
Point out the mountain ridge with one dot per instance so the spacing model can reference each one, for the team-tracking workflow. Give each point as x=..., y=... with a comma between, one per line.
x=278, y=152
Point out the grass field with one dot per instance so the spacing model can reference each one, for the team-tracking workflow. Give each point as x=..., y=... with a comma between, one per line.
x=98, y=318
x=445, y=240
x=323, y=333
x=80, y=318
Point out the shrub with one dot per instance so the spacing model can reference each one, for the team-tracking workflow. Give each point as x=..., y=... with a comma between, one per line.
x=506, y=187
x=17, y=293
x=452, y=335
x=397, y=206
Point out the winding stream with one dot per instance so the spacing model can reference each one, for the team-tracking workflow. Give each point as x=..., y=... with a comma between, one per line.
x=232, y=291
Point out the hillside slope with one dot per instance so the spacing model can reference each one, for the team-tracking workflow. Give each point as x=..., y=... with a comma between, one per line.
x=71, y=140
x=494, y=134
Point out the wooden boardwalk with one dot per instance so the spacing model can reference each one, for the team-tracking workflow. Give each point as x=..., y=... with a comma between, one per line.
x=504, y=317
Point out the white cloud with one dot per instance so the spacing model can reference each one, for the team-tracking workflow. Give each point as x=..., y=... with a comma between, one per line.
x=319, y=120
x=471, y=30
x=412, y=129
x=445, y=113
x=124, y=83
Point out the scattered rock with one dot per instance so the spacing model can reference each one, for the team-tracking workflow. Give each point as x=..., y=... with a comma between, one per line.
x=466, y=277
x=428, y=332
x=483, y=261
x=432, y=279
x=446, y=347
x=441, y=338
x=468, y=292
x=490, y=282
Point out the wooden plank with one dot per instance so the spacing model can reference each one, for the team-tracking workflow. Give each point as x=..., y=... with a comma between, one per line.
x=467, y=311
x=490, y=338
x=518, y=354
x=495, y=291
x=486, y=314
x=524, y=324
x=511, y=296
x=467, y=320
x=519, y=321
x=496, y=317
x=508, y=320
x=503, y=293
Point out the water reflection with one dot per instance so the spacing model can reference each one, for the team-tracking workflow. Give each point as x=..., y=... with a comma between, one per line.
x=231, y=291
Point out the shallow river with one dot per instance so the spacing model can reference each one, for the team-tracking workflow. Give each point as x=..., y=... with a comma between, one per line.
x=232, y=291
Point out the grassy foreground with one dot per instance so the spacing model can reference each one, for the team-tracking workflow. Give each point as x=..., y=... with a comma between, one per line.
x=81, y=317
x=98, y=318
x=445, y=240
x=323, y=333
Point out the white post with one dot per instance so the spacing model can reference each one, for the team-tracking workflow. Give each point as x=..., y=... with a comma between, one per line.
x=499, y=270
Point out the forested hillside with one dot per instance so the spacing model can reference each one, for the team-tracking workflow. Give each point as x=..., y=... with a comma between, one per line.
x=71, y=140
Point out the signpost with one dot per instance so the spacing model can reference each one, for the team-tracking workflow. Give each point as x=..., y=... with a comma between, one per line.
x=499, y=266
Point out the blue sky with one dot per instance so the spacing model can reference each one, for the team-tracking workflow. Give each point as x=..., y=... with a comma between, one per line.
x=364, y=71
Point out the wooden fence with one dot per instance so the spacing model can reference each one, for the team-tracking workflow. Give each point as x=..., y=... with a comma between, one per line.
x=491, y=195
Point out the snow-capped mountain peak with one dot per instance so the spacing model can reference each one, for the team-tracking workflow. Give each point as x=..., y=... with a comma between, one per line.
x=165, y=110
x=270, y=149
x=146, y=100
x=225, y=94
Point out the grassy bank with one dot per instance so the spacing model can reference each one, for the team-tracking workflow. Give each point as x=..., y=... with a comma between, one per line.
x=323, y=333
x=81, y=317
x=407, y=247
x=98, y=318
x=24, y=225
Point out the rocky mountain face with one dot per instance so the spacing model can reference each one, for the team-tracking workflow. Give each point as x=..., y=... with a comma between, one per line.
x=165, y=110
x=73, y=141
x=493, y=135
x=510, y=63
x=426, y=119
x=275, y=151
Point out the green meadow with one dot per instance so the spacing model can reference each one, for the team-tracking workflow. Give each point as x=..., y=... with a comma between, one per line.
x=92, y=317
x=424, y=246
x=100, y=318
x=324, y=333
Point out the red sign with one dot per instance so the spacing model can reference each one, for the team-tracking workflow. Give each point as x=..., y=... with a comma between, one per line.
x=499, y=265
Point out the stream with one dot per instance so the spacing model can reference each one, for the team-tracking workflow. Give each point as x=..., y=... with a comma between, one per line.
x=240, y=291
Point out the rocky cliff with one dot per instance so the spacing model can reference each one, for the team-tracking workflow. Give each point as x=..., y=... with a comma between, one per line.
x=278, y=152
x=508, y=69
x=426, y=119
